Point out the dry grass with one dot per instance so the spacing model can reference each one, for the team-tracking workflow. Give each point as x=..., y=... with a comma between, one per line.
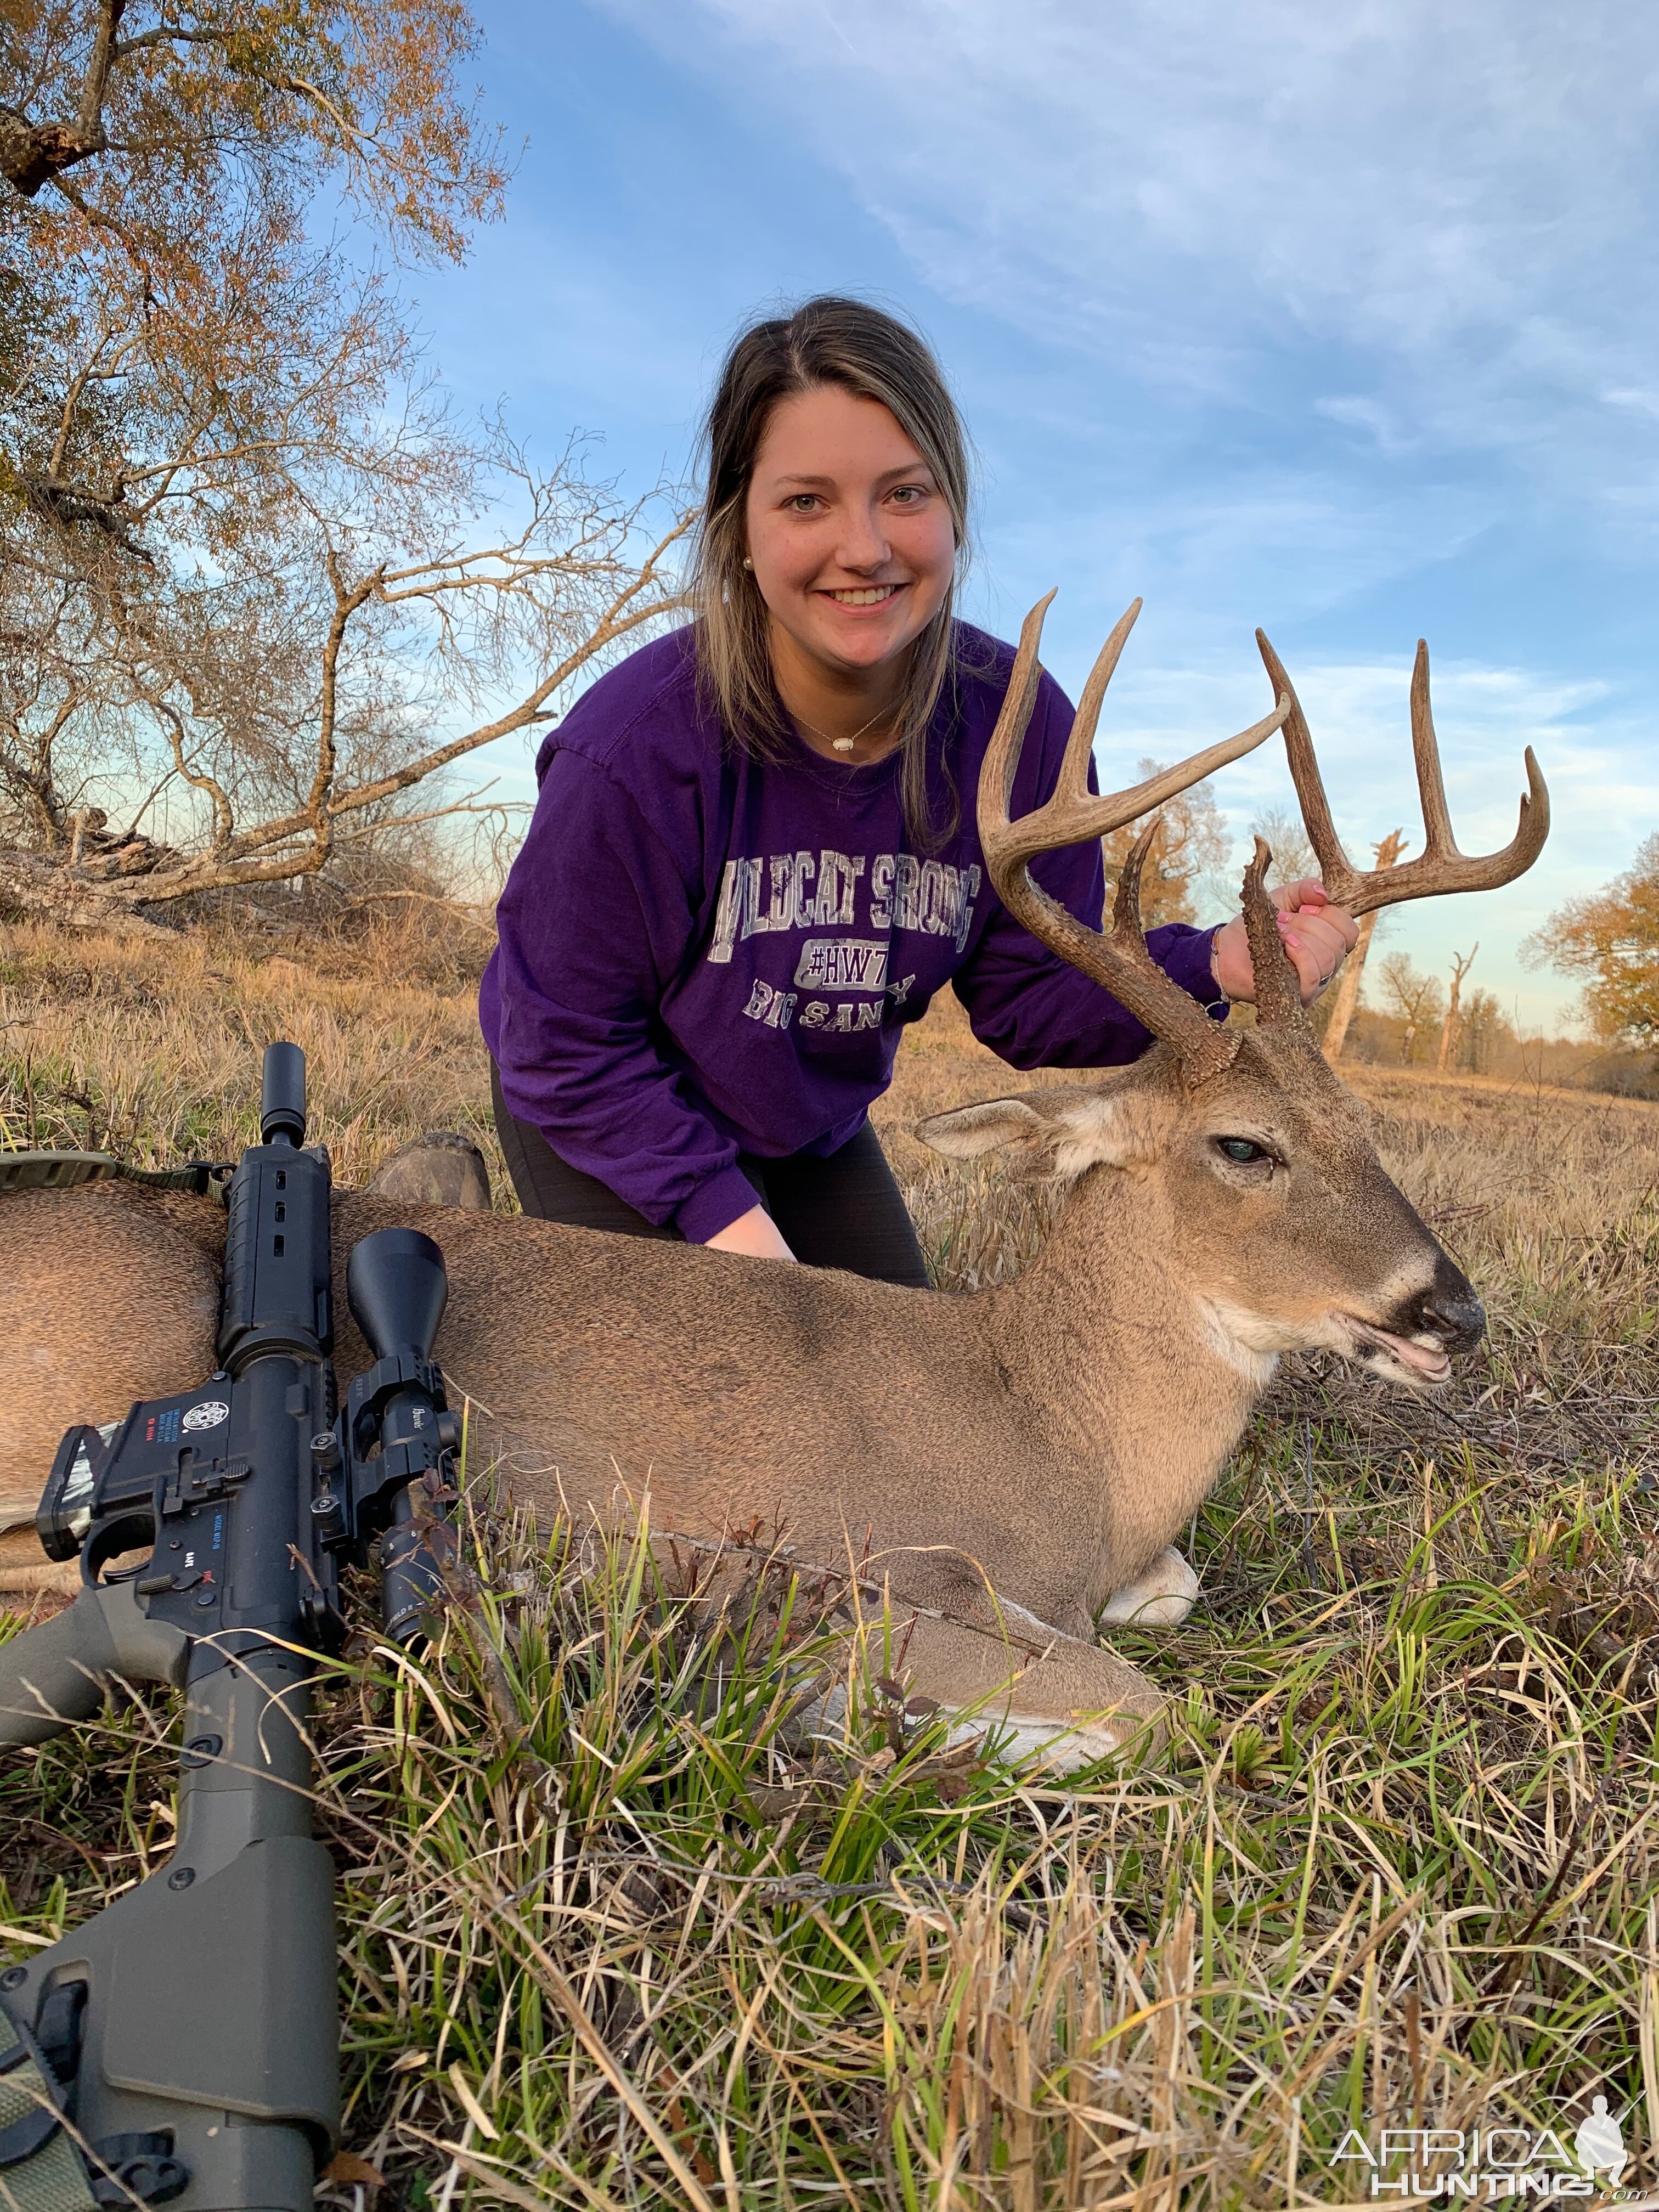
x=614, y=1933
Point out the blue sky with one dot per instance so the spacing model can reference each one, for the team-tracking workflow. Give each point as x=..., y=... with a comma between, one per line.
x=1340, y=321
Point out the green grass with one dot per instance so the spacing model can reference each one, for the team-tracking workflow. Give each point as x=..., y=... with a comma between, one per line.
x=618, y=1929
x=620, y=1926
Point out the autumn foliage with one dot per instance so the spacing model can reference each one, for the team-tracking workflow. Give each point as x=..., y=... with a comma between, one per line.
x=1611, y=940
x=257, y=580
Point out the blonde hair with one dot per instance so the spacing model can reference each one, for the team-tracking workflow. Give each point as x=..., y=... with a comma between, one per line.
x=836, y=342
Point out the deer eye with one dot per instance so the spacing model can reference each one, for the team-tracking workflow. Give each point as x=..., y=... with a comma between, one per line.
x=1244, y=1150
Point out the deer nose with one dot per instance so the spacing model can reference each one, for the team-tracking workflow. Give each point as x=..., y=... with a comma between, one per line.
x=1449, y=1309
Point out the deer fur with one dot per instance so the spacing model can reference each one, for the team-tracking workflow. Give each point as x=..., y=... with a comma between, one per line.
x=1009, y=1463
x=1010, y=1468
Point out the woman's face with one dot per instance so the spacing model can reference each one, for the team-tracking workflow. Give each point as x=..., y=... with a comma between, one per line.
x=851, y=537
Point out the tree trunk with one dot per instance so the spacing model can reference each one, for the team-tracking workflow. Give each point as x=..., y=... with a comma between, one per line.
x=1346, y=1001
x=1461, y=968
x=51, y=892
x=1447, y=1027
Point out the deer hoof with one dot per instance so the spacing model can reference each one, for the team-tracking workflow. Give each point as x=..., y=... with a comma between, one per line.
x=1161, y=1598
x=442, y=1168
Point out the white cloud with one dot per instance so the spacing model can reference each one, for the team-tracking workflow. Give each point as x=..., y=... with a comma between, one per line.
x=1342, y=321
x=1186, y=183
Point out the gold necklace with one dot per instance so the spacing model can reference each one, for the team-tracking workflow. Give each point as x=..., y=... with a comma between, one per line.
x=842, y=744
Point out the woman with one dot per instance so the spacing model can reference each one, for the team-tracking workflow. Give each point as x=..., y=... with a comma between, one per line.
x=753, y=859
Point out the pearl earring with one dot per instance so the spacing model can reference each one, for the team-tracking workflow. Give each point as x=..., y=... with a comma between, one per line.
x=747, y=563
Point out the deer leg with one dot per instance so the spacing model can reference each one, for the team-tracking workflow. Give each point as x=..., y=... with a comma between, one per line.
x=1162, y=1598
x=1052, y=1695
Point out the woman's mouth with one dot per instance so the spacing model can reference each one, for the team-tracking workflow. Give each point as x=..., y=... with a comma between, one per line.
x=865, y=595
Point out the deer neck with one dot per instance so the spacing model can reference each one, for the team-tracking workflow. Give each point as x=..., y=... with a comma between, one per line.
x=1133, y=1373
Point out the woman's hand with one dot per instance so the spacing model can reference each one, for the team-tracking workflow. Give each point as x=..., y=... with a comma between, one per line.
x=755, y=1234
x=1317, y=935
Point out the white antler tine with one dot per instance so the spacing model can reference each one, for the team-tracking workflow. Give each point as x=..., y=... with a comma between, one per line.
x=1340, y=878
x=1072, y=785
x=1118, y=958
x=1002, y=755
x=1440, y=867
x=1439, y=841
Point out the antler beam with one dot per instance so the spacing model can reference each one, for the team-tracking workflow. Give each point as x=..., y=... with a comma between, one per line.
x=1440, y=866
x=1118, y=958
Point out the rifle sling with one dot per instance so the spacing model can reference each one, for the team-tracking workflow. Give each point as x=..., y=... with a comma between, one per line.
x=63, y=1170
x=40, y=2168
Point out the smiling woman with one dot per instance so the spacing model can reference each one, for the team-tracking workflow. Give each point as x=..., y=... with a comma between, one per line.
x=749, y=866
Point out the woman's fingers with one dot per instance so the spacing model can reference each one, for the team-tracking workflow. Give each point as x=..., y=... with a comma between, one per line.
x=1308, y=892
x=1339, y=919
x=1318, y=940
x=1317, y=936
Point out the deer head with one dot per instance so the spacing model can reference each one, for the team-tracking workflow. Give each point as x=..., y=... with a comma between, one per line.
x=1233, y=1156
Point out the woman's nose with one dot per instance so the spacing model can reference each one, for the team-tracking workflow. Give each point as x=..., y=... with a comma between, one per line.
x=863, y=541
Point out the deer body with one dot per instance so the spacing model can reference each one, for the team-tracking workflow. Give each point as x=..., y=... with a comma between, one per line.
x=1007, y=1466
x=1004, y=1463
x=982, y=1465
x=871, y=1424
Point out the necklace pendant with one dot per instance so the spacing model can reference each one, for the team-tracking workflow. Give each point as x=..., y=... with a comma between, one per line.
x=843, y=744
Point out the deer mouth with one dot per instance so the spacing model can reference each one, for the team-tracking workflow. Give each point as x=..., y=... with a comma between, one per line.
x=1399, y=1358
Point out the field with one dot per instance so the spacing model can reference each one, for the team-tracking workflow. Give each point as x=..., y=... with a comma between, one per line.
x=613, y=1934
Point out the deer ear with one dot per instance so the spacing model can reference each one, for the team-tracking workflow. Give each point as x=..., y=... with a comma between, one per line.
x=1060, y=1132
x=967, y=1131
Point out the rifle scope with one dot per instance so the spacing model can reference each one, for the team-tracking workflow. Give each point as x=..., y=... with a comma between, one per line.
x=397, y=1289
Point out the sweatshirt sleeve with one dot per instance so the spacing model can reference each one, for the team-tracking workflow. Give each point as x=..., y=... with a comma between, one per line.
x=593, y=922
x=1032, y=1008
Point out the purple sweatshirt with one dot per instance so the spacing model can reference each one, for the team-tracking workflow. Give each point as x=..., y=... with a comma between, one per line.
x=701, y=954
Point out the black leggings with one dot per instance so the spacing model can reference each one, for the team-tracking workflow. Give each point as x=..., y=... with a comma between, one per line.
x=842, y=1210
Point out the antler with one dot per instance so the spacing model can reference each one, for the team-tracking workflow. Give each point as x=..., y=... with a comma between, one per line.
x=1118, y=958
x=1440, y=866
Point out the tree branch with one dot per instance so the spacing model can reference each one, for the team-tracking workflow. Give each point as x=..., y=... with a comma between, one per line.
x=32, y=154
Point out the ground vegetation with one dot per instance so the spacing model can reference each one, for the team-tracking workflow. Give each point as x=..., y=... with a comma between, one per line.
x=614, y=1933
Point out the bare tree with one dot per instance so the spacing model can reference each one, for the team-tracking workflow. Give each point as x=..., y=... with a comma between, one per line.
x=1193, y=847
x=257, y=582
x=1282, y=831
x=1415, y=999
x=337, y=722
x=1346, y=999
x=1449, y=1028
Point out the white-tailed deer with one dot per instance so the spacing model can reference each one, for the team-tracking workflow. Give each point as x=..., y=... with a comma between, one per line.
x=1014, y=1465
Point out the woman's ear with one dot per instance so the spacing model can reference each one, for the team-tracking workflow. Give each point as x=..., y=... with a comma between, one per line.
x=1047, y=1133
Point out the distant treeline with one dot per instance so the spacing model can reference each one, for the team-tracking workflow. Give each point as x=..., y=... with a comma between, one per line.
x=1490, y=1045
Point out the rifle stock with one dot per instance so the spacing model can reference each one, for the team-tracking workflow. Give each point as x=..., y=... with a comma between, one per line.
x=187, y=2037
x=57, y=1673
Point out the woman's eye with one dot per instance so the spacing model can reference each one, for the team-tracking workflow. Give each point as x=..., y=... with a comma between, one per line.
x=803, y=502
x=1242, y=1149
x=909, y=494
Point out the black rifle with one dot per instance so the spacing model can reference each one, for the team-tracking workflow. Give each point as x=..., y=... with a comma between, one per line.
x=182, y=2046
